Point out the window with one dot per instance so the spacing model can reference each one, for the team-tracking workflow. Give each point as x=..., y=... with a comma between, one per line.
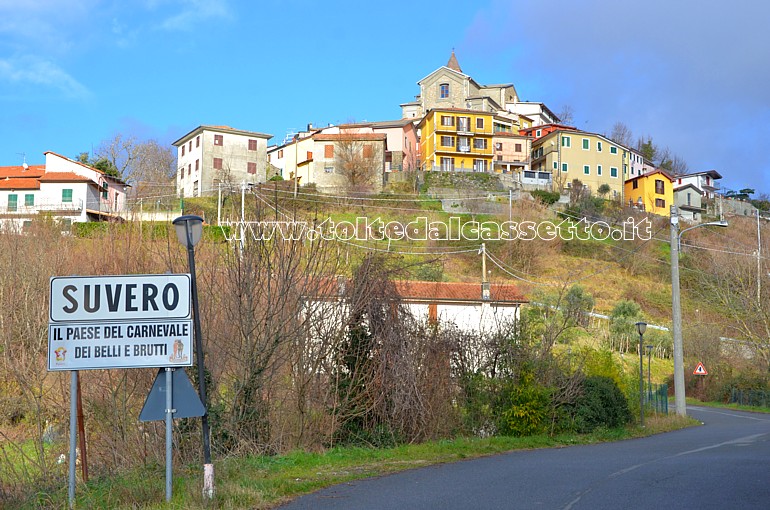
x=195, y=188
x=479, y=123
x=555, y=165
x=659, y=187
x=13, y=202
x=635, y=184
x=328, y=151
x=613, y=150
x=564, y=167
x=479, y=143
x=252, y=145
x=688, y=199
x=198, y=141
x=447, y=164
x=586, y=169
x=218, y=140
x=498, y=146
x=464, y=124
x=309, y=156
x=447, y=120
x=66, y=196
x=29, y=200
x=197, y=164
x=217, y=163
x=538, y=133
x=368, y=150
x=181, y=173
x=463, y=144
x=566, y=141
x=448, y=141
x=598, y=146
x=518, y=147
x=189, y=168
x=105, y=191
x=280, y=154
x=443, y=90
x=530, y=175
x=598, y=169
x=585, y=144
x=251, y=167
x=189, y=146
x=613, y=171
x=660, y=203
x=328, y=169
x=546, y=176
x=183, y=150
x=479, y=165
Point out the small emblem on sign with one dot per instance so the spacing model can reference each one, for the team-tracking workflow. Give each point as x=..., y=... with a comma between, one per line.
x=177, y=352
x=700, y=370
x=60, y=354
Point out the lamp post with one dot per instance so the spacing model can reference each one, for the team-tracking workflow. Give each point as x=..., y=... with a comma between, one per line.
x=189, y=229
x=649, y=380
x=641, y=327
x=676, y=308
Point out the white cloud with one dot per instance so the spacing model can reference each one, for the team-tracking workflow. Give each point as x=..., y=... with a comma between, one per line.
x=33, y=72
x=193, y=12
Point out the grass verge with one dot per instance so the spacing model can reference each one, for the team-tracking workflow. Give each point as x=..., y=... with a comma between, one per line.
x=259, y=482
x=737, y=407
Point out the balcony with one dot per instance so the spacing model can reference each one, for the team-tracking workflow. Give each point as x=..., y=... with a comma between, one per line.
x=47, y=206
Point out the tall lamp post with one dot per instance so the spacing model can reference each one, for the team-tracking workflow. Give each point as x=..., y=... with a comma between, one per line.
x=649, y=381
x=676, y=307
x=641, y=327
x=189, y=229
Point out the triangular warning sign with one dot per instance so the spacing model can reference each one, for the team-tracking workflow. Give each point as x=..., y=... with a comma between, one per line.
x=700, y=370
x=185, y=399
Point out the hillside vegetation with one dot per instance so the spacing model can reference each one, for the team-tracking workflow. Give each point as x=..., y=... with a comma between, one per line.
x=288, y=374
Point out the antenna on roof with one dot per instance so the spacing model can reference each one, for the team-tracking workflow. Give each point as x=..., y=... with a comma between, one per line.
x=24, y=164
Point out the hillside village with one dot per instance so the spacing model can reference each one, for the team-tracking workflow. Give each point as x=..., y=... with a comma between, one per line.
x=453, y=125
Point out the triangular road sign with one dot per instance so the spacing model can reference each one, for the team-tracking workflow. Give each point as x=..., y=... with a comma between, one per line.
x=185, y=399
x=700, y=370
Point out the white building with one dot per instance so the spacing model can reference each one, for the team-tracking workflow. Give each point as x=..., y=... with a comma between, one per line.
x=705, y=181
x=209, y=156
x=67, y=190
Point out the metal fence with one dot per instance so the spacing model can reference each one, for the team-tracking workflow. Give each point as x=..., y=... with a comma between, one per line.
x=755, y=398
x=657, y=398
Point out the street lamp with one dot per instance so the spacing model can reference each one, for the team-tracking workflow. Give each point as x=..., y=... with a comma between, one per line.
x=189, y=229
x=649, y=381
x=641, y=327
x=676, y=307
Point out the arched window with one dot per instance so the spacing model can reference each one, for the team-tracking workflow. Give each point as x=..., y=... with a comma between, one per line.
x=443, y=91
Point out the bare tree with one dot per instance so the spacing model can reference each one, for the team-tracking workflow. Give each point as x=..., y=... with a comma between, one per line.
x=567, y=114
x=146, y=165
x=621, y=134
x=359, y=158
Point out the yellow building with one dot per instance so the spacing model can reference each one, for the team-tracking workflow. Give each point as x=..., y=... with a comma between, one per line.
x=652, y=192
x=453, y=139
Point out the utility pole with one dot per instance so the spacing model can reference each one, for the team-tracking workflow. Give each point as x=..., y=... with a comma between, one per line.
x=676, y=312
x=759, y=264
x=510, y=206
x=219, y=204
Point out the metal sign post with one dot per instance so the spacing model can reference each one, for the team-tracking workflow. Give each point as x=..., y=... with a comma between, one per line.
x=169, y=428
x=73, y=435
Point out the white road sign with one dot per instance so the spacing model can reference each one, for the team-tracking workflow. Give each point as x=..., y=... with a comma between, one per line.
x=120, y=298
x=83, y=346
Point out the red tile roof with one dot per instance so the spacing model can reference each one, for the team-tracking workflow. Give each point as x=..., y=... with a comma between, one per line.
x=63, y=177
x=350, y=136
x=432, y=292
x=461, y=292
x=19, y=183
x=19, y=171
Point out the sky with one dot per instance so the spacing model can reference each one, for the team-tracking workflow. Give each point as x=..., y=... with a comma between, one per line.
x=692, y=75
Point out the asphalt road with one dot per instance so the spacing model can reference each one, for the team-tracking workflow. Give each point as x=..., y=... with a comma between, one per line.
x=724, y=464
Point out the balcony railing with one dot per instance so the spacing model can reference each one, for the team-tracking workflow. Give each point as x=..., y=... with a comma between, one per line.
x=73, y=207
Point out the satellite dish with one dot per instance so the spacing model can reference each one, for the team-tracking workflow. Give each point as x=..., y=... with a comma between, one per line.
x=25, y=165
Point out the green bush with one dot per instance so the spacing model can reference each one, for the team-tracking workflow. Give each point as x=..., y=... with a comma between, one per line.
x=527, y=411
x=546, y=197
x=601, y=404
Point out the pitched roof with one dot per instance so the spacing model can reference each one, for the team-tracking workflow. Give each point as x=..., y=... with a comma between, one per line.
x=650, y=174
x=63, y=177
x=19, y=183
x=33, y=171
x=349, y=136
x=411, y=290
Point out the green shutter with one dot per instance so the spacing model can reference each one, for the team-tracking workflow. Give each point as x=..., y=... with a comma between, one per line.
x=66, y=195
x=29, y=200
x=13, y=202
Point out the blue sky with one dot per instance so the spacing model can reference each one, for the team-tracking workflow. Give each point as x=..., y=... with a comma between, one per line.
x=692, y=74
